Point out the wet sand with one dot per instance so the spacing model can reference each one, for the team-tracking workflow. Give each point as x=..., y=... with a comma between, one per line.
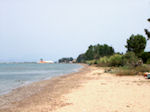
x=89, y=90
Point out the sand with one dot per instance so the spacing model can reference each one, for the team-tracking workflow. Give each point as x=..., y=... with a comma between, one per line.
x=90, y=90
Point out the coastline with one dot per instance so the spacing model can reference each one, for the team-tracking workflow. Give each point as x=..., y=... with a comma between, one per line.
x=88, y=90
x=23, y=94
x=23, y=78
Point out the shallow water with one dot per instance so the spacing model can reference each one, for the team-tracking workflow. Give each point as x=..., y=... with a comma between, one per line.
x=16, y=75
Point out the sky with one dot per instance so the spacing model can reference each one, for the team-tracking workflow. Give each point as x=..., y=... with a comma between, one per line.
x=52, y=29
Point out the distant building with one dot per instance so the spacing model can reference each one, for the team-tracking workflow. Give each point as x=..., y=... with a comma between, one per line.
x=50, y=62
x=74, y=61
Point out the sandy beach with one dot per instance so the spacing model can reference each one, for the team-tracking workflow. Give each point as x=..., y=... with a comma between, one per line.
x=89, y=90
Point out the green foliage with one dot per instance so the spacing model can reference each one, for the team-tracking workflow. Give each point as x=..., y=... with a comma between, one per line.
x=136, y=44
x=90, y=53
x=103, y=50
x=148, y=61
x=65, y=60
x=130, y=59
x=104, y=61
x=139, y=70
x=91, y=62
x=130, y=71
x=145, y=56
x=116, y=60
x=81, y=58
x=148, y=32
x=143, y=68
x=95, y=52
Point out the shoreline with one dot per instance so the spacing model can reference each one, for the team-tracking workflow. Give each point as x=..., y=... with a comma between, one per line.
x=89, y=90
x=43, y=79
x=21, y=94
x=46, y=78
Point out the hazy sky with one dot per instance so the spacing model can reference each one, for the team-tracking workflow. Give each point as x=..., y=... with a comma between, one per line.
x=51, y=29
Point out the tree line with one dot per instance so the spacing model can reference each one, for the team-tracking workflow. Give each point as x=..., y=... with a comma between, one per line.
x=136, y=45
x=65, y=60
x=95, y=52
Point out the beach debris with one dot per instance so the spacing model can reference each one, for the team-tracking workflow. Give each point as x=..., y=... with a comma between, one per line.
x=108, y=70
x=128, y=106
x=147, y=75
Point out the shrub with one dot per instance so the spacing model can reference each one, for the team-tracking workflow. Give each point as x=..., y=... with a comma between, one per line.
x=91, y=62
x=126, y=73
x=130, y=59
x=148, y=61
x=139, y=70
x=145, y=56
x=116, y=60
x=104, y=61
x=143, y=68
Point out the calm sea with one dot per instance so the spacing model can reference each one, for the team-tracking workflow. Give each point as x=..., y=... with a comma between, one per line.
x=16, y=75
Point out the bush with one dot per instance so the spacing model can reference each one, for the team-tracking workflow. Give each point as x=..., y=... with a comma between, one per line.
x=130, y=59
x=139, y=70
x=126, y=73
x=148, y=61
x=116, y=60
x=104, y=61
x=91, y=62
x=143, y=68
x=145, y=56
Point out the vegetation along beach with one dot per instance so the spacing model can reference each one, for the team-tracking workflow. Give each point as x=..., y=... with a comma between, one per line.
x=74, y=56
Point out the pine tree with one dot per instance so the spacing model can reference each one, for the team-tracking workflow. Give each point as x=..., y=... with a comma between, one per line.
x=147, y=32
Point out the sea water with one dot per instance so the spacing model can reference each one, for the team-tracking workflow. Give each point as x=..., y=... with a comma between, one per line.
x=14, y=75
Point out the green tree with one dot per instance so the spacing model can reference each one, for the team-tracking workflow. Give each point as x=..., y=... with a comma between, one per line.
x=148, y=32
x=106, y=50
x=130, y=59
x=145, y=56
x=81, y=58
x=136, y=44
x=65, y=60
x=97, y=51
x=90, y=53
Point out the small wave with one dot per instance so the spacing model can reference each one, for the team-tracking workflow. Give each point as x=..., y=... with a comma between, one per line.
x=10, y=79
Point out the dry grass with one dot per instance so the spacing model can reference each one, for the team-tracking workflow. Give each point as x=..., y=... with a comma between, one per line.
x=128, y=71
